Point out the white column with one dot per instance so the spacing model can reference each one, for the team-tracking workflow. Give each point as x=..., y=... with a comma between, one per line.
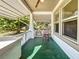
x=31, y=28
x=60, y=22
x=78, y=24
x=52, y=24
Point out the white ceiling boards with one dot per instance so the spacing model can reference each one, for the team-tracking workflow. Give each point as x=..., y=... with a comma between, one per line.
x=47, y=5
x=42, y=10
x=12, y=8
x=18, y=8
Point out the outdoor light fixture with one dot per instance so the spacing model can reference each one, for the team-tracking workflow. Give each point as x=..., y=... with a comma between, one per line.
x=41, y=0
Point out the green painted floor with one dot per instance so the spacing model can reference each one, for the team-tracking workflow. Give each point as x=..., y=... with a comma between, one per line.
x=49, y=50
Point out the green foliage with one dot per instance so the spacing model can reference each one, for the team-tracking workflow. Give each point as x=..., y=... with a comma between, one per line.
x=40, y=25
x=7, y=24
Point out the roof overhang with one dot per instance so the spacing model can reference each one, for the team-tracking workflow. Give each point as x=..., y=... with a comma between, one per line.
x=13, y=9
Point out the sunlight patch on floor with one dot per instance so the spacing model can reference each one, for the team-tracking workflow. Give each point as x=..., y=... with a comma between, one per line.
x=36, y=49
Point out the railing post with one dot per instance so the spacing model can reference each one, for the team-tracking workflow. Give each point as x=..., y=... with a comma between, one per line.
x=31, y=28
x=52, y=24
x=78, y=25
x=60, y=22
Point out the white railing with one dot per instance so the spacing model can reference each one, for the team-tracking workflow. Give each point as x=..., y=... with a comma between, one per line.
x=26, y=37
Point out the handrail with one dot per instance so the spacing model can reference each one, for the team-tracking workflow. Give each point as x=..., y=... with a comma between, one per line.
x=26, y=37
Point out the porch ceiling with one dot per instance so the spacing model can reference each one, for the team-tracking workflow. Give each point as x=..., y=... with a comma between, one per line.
x=47, y=5
x=17, y=8
x=12, y=9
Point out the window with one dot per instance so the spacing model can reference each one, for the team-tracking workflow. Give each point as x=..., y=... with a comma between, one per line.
x=57, y=27
x=71, y=9
x=70, y=29
x=56, y=21
x=70, y=17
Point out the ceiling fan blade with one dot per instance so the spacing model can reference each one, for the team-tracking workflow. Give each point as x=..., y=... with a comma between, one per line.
x=37, y=3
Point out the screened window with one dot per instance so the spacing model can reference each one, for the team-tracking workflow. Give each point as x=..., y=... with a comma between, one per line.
x=70, y=29
x=57, y=28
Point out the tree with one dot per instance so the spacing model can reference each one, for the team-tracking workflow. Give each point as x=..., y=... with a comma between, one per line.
x=7, y=24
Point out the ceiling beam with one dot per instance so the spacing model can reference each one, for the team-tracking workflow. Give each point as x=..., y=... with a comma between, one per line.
x=59, y=3
x=42, y=13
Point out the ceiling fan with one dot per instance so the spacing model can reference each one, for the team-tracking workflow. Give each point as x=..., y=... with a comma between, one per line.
x=38, y=3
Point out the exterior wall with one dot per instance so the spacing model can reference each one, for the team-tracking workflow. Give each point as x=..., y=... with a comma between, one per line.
x=68, y=49
x=13, y=53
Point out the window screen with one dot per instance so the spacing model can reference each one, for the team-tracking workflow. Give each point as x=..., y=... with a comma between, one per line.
x=70, y=29
x=56, y=27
